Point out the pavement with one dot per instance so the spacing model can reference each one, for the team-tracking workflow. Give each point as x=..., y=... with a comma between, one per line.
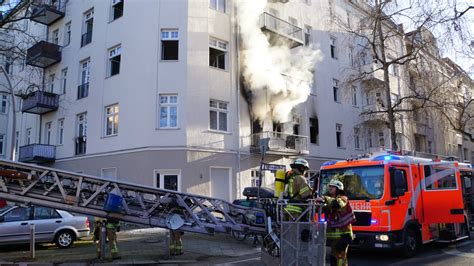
x=136, y=246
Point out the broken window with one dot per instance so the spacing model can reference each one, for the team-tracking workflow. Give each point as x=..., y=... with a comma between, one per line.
x=169, y=44
x=314, y=130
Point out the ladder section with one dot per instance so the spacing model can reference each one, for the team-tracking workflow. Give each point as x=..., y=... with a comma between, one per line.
x=55, y=188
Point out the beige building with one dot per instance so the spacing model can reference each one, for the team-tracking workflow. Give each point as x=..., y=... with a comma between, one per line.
x=165, y=93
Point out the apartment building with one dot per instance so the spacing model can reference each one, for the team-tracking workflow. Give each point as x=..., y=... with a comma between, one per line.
x=154, y=92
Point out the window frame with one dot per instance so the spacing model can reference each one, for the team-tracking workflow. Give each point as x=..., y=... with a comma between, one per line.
x=51, y=79
x=219, y=111
x=169, y=38
x=339, y=137
x=166, y=172
x=217, y=46
x=115, y=122
x=336, y=91
x=333, y=47
x=316, y=126
x=60, y=140
x=168, y=105
x=113, y=5
x=113, y=53
x=355, y=101
x=357, y=138
x=55, y=37
x=217, y=7
x=4, y=103
x=67, y=33
x=48, y=132
x=63, y=80
x=2, y=144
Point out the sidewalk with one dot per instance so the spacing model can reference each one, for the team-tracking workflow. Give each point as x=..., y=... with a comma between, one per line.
x=138, y=246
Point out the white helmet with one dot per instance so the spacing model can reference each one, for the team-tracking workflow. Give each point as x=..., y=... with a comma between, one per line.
x=336, y=183
x=300, y=161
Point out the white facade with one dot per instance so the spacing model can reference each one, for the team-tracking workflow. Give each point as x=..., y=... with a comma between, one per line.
x=183, y=123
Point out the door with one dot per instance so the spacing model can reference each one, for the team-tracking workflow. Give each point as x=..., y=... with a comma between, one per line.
x=220, y=183
x=15, y=227
x=46, y=221
x=442, y=194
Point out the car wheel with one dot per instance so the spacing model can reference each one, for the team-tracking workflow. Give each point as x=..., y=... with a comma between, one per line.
x=64, y=239
x=410, y=244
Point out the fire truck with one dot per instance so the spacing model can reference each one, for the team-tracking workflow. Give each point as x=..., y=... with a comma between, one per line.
x=404, y=201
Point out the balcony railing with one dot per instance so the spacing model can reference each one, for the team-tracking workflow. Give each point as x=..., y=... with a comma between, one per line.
x=83, y=90
x=373, y=113
x=37, y=153
x=40, y=102
x=86, y=38
x=372, y=74
x=80, y=145
x=43, y=54
x=280, y=31
x=280, y=143
x=48, y=12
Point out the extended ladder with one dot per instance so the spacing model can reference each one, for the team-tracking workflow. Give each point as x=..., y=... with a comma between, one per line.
x=79, y=193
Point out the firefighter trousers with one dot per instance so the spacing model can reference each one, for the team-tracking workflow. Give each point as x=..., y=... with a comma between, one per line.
x=339, y=248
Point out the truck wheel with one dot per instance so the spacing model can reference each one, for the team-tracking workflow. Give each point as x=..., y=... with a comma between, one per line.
x=410, y=243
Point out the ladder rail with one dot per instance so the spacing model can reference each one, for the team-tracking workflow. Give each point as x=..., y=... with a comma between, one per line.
x=85, y=194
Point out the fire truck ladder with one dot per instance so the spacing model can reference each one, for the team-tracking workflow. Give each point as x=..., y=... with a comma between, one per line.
x=55, y=188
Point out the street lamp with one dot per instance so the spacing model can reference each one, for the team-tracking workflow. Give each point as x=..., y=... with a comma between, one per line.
x=10, y=88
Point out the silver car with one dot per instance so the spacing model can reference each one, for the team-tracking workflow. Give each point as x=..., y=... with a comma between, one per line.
x=51, y=225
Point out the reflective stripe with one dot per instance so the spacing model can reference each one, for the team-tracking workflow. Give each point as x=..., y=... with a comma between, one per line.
x=304, y=189
x=293, y=208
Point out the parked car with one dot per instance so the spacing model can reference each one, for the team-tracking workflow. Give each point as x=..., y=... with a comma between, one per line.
x=51, y=226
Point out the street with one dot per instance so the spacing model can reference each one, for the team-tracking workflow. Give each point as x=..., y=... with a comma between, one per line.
x=148, y=246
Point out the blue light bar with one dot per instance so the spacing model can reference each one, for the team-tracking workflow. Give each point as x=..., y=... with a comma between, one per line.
x=373, y=221
x=329, y=163
x=386, y=158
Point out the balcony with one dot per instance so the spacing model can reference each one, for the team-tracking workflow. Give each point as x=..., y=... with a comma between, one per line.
x=37, y=153
x=48, y=12
x=280, y=143
x=280, y=32
x=370, y=114
x=83, y=91
x=43, y=54
x=40, y=102
x=80, y=147
x=372, y=75
x=86, y=38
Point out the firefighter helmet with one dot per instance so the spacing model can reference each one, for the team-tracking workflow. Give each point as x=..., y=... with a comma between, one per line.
x=300, y=162
x=336, y=183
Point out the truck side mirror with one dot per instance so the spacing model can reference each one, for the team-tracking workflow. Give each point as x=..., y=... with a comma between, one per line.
x=398, y=182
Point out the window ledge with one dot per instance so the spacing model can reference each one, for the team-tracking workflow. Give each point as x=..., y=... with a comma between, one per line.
x=219, y=132
x=219, y=69
x=113, y=20
x=108, y=77
x=109, y=136
x=317, y=144
x=218, y=11
x=167, y=128
x=168, y=61
x=341, y=148
x=356, y=106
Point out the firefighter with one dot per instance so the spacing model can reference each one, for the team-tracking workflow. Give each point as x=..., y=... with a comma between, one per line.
x=176, y=245
x=112, y=226
x=339, y=218
x=297, y=187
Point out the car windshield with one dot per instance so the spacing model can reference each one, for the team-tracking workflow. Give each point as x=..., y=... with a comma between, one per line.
x=359, y=182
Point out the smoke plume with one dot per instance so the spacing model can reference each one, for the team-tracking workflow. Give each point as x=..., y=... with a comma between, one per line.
x=279, y=78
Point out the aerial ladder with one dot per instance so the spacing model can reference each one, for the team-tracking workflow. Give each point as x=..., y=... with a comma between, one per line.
x=85, y=194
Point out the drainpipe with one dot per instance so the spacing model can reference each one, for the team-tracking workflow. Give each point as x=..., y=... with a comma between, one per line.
x=237, y=94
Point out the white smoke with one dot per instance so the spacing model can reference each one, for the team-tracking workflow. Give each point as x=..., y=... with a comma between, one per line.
x=278, y=77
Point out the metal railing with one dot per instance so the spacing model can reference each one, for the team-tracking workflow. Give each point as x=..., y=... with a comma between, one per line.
x=86, y=38
x=43, y=54
x=277, y=25
x=47, y=12
x=46, y=101
x=373, y=112
x=83, y=91
x=37, y=153
x=281, y=142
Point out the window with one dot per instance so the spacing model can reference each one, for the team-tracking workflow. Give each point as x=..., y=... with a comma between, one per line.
x=293, y=21
x=17, y=141
x=117, y=9
x=354, y=95
x=17, y=214
x=219, y=5
x=381, y=139
x=333, y=48
x=47, y=133
x=2, y=144
x=169, y=44
x=393, y=69
x=61, y=131
x=168, y=111
x=83, y=89
x=63, y=80
x=430, y=147
x=8, y=64
x=28, y=136
x=43, y=213
x=51, y=83
x=114, y=61
x=438, y=178
x=67, y=34
x=87, y=28
x=168, y=179
x=369, y=138
x=314, y=130
x=357, y=138
x=217, y=53
x=307, y=35
x=111, y=120
x=351, y=56
x=348, y=16
x=109, y=173
x=55, y=37
x=331, y=9
x=339, y=135
x=218, y=115
x=81, y=133
x=335, y=90
x=4, y=104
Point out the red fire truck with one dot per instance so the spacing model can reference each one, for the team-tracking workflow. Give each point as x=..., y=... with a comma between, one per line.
x=404, y=201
